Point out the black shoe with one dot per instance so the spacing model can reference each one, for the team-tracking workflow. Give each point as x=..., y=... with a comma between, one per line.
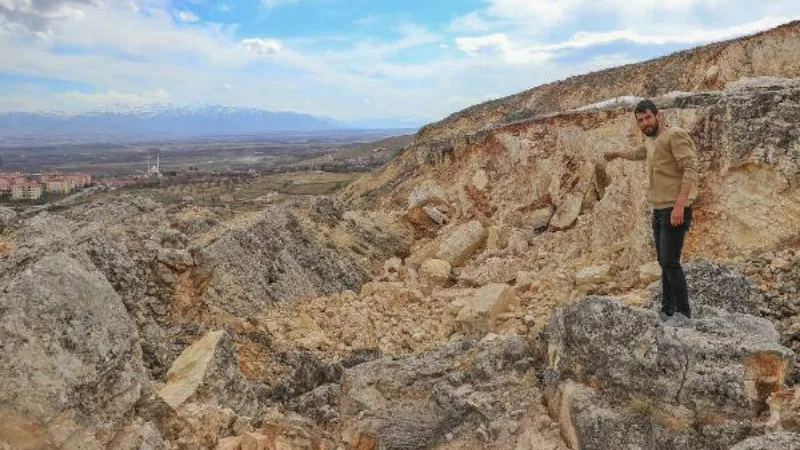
x=678, y=320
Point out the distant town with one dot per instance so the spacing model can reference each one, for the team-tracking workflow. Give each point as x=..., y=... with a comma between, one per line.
x=18, y=186
x=32, y=187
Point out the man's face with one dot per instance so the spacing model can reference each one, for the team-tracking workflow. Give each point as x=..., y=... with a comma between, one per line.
x=647, y=122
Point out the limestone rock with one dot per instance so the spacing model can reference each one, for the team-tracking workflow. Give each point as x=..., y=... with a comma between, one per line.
x=482, y=309
x=208, y=372
x=593, y=275
x=230, y=443
x=497, y=237
x=536, y=220
x=461, y=243
x=425, y=195
x=435, y=272
x=649, y=272
x=697, y=386
x=307, y=334
x=784, y=408
x=776, y=441
x=176, y=259
x=517, y=242
x=435, y=214
x=23, y=433
x=393, y=265
x=255, y=441
x=567, y=212
x=491, y=270
x=70, y=354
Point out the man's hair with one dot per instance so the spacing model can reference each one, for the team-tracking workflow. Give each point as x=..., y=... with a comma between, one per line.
x=645, y=105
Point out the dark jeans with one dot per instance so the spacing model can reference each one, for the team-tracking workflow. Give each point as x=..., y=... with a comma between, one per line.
x=669, y=243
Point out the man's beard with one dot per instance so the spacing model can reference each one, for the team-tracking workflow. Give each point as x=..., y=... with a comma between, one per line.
x=652, y=131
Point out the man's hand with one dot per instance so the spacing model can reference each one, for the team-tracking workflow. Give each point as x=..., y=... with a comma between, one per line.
x=676, y=218
x=610, y=156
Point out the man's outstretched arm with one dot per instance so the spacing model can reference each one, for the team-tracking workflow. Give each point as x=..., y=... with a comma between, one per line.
x=635, y=155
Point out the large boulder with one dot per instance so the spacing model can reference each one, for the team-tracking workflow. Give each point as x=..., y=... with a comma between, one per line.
x=613, y=368
x=207, y=372
x=69, y=353
x=461, y=243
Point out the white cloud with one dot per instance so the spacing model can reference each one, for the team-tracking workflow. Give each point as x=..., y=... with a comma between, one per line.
x=535, y=12
x=187, y=16
x=499, y=44
x=583, y=39
x=38, y=16
x=540, y=17
x=224, y=7
x=269, y=4
x=262, y=46
x=113, y=98
x=472, y=22
x=521, y=51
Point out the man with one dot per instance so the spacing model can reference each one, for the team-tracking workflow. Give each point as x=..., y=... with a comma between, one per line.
x=672, y=171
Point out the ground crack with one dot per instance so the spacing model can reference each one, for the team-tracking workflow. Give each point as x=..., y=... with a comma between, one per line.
x=685, y=368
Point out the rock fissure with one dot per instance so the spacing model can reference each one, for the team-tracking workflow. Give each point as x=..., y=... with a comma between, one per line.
x=685, y=371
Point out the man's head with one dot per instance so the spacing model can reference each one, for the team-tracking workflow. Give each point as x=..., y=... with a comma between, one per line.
x=648, y=117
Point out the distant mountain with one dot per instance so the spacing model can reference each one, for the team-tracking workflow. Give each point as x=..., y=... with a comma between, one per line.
x=162, y=121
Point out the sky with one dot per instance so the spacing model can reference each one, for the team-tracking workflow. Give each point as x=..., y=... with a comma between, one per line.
x=411, y=60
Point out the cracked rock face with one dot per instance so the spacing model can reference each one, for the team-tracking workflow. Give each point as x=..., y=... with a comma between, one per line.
x=483, y=392
x=618, y=368
x=208, y=372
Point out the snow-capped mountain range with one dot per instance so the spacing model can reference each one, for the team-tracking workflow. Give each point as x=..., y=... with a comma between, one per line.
x=160, y=121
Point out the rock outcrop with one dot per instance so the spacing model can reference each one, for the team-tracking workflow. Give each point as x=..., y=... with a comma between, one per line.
x=280, y=255
x=70, y=363
x=618, y=377
x=714, y=286
x=771, y=53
